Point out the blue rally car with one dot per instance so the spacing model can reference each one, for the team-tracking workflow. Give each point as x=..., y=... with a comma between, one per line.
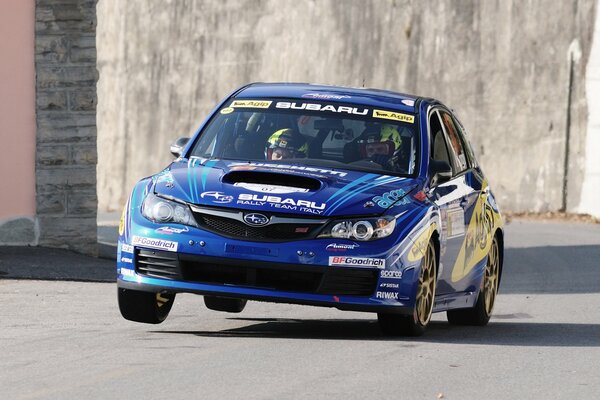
x=357, y=199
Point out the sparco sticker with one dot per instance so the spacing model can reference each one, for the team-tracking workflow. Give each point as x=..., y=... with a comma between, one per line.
x=155, y=243
x=357, y=261
x=127, y=248
x=391, y=274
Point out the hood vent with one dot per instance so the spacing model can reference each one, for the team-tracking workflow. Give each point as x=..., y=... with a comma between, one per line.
x=271, y=178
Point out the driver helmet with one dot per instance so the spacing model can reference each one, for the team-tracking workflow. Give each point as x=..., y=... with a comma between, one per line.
x=385, y=142
x=286, y=143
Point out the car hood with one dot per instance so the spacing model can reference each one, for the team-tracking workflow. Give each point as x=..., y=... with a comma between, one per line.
x=281, y=188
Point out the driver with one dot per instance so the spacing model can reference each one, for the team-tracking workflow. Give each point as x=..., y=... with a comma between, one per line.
x=284, y=144
x=382, y=147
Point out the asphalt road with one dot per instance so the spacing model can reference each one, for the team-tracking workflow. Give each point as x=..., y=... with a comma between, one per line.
x=66, y=340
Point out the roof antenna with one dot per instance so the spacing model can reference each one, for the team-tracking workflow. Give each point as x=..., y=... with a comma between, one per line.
x=363, y=84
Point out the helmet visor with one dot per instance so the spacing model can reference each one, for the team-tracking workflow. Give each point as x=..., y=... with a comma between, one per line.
x=385, y=148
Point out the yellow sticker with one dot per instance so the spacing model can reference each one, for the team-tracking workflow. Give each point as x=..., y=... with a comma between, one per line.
x=251, y=103
x=419, y=247
x=393, y=116
x=122, y=222
x=227, y=110
x=478, y=238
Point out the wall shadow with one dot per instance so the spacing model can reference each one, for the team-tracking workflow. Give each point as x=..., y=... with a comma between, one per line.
x=551, y=269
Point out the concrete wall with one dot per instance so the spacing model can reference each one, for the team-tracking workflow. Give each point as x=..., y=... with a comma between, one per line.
x=65, y=61
x=17, y=123
x=590, y=196
x=502, y=65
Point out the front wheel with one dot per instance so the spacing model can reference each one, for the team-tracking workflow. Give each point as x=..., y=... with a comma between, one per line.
x=146, y=307
x=481, y=313
x=415, y=325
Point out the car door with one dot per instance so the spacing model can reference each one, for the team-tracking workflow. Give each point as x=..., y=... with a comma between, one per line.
x=449, y=196
x=459, y=275
x=455, y=198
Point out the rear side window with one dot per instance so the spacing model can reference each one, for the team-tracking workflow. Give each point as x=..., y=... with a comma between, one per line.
x=467, y=145
x=456, y=146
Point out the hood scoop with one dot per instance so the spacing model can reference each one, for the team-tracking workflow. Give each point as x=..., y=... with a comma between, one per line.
x=271, y=182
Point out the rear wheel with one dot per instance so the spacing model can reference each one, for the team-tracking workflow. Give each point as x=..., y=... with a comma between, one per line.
x=146, y=307
x=415, y=325
x=224, y=304
x=481, y=313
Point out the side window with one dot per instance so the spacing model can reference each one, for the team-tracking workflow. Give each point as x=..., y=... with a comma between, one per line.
x=456, y=146
x=438, y=148
x=467, y=145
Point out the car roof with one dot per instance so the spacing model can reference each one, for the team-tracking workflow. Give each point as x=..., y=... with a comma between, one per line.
x=338, y=94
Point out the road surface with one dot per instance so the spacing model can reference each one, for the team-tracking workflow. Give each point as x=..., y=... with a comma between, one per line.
x=66, y=340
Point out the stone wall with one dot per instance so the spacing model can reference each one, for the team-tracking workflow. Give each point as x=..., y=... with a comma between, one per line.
x=66, y=75
x=504, y=66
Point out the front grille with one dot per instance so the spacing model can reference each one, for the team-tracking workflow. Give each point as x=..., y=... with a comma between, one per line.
x=158, y=264
x=284, y=277
x=275, y=232
x=258, y=275
x=349, y=281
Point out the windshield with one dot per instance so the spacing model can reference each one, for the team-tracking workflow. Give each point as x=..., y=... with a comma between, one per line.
x=336, y=135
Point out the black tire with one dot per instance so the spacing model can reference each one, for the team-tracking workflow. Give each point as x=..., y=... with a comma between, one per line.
x=146, y=307
x=225, y=304
x=480, y=314
x=415, y=324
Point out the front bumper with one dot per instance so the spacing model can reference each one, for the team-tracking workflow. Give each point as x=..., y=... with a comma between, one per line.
x=345, y=288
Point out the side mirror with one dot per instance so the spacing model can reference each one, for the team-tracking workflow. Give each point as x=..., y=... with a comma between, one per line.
x=178, y=145
x=440, y=172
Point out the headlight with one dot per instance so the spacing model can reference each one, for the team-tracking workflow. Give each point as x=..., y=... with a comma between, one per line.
x=360, y=229
x=161, y=211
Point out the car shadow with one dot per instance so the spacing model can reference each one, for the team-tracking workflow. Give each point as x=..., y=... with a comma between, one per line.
x=495, y=333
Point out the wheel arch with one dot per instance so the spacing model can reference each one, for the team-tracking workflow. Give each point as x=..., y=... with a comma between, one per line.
x=499, y=234
x=435, y=237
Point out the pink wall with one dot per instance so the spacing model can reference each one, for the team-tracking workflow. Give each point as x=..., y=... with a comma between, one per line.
x=17, y=109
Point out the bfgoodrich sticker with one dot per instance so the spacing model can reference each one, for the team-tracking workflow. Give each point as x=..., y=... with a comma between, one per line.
x=357, y=261
x=154, y=243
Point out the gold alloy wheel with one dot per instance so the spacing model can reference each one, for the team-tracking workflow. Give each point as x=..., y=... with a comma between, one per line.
x=426, y=290
x=490, y=279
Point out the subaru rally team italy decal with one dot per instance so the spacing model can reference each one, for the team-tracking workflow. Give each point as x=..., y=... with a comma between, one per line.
x=349, y=261
x=281, y=202
x=154, y=243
